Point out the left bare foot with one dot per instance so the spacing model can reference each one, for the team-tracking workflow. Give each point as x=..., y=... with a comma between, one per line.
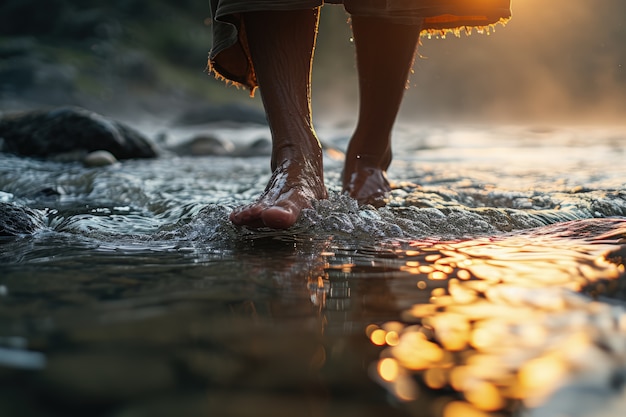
x=294, y=186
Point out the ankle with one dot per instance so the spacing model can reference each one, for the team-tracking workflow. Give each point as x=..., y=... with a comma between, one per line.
x=369, y=157
x=305, y=150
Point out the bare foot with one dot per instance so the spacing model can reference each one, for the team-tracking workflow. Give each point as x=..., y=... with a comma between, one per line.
x=293, y=187
x=365, y=179
x=368, y=186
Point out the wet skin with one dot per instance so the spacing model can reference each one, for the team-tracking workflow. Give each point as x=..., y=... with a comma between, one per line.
x=293, y=187
x=281, y=47
x=366, y=183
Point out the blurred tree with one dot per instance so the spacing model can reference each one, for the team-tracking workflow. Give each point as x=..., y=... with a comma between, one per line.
x=562, y=56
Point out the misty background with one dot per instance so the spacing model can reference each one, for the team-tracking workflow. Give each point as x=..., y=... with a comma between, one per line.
x=555, y=61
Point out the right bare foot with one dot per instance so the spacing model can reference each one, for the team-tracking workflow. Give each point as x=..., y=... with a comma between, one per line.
x=365, y=177
x=294, y=185
x=367, y=185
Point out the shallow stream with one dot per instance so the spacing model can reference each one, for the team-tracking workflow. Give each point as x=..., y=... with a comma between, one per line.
x=493, y=286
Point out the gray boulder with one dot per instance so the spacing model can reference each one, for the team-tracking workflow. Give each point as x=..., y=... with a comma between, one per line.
x=67, y=130
x=204, y=145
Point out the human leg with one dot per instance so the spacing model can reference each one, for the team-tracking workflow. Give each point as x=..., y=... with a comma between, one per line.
x=281, y=46
x=385, y=52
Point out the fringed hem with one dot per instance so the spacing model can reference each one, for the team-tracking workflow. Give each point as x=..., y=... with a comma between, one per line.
x=248, y=80
x=467, y=29
x=210, y=69
x=438, y=26
x=250, y=83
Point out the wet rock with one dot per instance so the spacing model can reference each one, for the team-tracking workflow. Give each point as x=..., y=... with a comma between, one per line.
x=202, y=145
x=99, y=159
x=47, y=192
x=234, y=113
x=260, y=147
x=16, y=220
x=68, y=130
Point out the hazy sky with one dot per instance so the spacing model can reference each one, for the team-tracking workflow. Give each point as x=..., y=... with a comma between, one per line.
x=555, y=60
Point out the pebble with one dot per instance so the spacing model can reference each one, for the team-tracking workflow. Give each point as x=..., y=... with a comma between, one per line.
x=99, y=159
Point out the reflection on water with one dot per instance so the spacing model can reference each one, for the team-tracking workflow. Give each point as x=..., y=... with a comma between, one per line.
x=183, y=328
x=508, y=324
x=137, y=297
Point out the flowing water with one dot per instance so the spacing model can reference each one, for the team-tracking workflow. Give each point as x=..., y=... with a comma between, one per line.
x=495, y=286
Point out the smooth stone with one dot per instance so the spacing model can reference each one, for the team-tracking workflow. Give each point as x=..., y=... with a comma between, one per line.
x=70, y=131
x=100, y=159
x=259, y=147
x=204, y=145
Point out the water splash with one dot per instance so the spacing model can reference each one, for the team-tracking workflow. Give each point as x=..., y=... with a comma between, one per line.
x=142, y=256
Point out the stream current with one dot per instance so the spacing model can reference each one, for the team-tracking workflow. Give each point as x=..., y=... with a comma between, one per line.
x=492, y=283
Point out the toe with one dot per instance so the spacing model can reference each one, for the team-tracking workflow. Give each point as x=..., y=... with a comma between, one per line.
x=279, y=217
x=246, y=217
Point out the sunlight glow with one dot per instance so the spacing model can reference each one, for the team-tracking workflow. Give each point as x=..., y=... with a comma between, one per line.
x=506, y=326
x=378, y=337
x=461, y=409
x=405, y=389
x=436, y=378
x=484, y=396
x=392, y=338
x=539, y=377
x=388, y=369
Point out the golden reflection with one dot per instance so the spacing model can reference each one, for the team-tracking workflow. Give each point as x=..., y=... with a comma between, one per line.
x=508, y=325
x=410, y=270
x=370, y=329
x=405, y=389
x=460, y=293
x=378, y=337
x=425, y=269
x=388, y=369
x=392, y=338
x=438, y=292
x=436, y=378
x=437, y=275
x=484, y=396
x=460, y=409
x=538, y=377
x=463, y=274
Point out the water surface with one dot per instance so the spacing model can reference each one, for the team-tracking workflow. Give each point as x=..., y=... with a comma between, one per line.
x=491, y=283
